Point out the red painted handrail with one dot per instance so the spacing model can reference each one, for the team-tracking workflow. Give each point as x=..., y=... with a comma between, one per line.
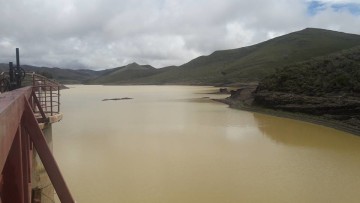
x=19, y=131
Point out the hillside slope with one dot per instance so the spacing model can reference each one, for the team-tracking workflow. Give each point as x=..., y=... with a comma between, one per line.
x=335, y=74
x=129, y=74
x=255, y=62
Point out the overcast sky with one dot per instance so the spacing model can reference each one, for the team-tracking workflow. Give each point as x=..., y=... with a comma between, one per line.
x=99, y=34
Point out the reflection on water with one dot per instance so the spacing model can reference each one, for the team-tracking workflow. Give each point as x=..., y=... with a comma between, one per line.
x=169, y=144
x=302, y=134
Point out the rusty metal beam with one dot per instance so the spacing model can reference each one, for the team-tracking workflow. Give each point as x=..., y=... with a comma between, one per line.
x=13, y=190
x=25, y=149
x=47, y=158
x=11, y=109
x=1, y=184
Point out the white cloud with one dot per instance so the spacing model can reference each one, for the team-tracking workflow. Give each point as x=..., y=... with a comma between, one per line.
x=336, y=1
x=238, y=35
x=339, y=21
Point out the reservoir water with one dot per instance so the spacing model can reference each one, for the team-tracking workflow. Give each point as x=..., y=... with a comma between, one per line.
x=172, y=144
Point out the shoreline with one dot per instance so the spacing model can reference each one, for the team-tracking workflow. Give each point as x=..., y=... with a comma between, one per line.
x=318, y=120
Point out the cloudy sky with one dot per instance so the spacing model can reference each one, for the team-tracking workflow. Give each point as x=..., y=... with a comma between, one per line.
x=99, y=34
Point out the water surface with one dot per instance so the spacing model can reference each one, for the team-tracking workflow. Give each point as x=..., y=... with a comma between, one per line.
x=171, y=145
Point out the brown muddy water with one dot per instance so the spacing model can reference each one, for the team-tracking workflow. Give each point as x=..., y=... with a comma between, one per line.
x=169, y=144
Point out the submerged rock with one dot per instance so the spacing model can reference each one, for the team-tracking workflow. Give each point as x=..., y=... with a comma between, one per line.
x=224, y=91
x=116, y=99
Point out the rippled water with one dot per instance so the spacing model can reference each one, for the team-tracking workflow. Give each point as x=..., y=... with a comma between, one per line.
x=171, y=145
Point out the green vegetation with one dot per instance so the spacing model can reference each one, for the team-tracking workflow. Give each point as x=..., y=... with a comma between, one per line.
x=248, y=64
x=338, y=73
x=124, y=74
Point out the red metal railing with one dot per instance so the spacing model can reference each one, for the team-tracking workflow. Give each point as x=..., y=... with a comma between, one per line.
x=19, y=133
x=47, y=91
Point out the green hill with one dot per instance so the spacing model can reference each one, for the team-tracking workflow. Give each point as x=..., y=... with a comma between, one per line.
x=255, y=62
x=125, y=74
x=335, y=74
x=65, y=76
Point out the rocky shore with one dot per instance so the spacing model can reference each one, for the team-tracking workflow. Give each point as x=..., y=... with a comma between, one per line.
x=336, y=111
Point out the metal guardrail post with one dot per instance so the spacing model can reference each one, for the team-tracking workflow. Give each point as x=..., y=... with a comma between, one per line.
x=58, y=99
x=51, y=101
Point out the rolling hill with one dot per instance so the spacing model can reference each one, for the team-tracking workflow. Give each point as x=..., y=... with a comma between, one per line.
x=255, y=62
x=125, y=74
x=65, y=76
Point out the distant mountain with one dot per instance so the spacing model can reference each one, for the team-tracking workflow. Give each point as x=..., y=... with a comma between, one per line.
x=124, y=74
x=255, y=62
x=65, y=76
x=129, y=74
